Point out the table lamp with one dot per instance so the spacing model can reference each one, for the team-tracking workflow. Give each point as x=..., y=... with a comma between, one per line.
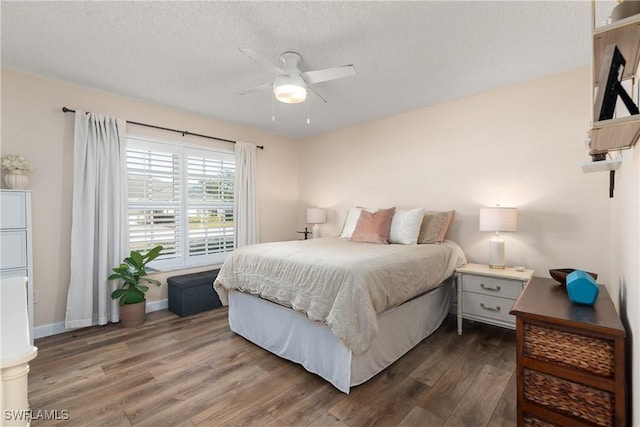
x=498, y=219
x=316, y=216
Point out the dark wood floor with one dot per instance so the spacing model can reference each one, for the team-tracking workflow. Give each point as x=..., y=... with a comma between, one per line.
x=195, y=372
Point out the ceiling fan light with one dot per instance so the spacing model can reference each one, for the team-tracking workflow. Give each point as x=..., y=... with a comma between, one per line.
x=290, y=93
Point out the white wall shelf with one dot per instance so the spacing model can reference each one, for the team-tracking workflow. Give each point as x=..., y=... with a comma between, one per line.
x=625, y=33
x=601, y=166
x=620, y=132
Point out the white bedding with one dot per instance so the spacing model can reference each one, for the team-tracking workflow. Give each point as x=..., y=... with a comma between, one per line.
x=342, y=283
x=290, y=335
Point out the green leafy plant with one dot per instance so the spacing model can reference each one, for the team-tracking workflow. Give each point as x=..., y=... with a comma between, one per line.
x=132, y=271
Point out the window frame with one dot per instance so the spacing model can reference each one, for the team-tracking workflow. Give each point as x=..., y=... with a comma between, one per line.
x=183, y=150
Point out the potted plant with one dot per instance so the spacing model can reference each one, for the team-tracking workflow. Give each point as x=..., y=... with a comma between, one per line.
x=132, y=272
x=16, y=166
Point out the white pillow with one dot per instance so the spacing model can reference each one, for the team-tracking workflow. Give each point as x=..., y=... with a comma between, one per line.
x=405, y=226
x=350, y=223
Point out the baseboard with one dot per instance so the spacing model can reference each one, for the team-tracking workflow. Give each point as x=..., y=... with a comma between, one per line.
x=157, y=305
x=58, y=327
x=48, y=330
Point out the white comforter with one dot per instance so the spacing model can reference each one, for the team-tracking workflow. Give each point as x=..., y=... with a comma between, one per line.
x=342, y=283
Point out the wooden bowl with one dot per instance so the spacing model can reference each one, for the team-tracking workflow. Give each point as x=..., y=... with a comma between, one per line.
x=560, y=274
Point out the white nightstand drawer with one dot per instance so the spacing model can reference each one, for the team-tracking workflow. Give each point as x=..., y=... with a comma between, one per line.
x=504, y=288
x=488, y=307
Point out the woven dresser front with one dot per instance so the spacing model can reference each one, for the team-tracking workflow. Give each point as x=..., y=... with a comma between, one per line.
x=570, y=398
x=531, y=421
x=571, y=359
x=589, y=354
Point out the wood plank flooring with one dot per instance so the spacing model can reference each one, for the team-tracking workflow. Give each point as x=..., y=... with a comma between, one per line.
x=194, y=371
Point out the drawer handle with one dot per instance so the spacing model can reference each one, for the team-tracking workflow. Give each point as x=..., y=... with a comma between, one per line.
x=490, y=308
x=489, y=288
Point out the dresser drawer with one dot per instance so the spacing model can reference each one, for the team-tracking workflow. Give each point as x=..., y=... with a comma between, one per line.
x=14, y=249
x=493, y=286
x=533, y=421
x=489, y=307
x=5, y=274
x=568, y=349
x=13, y=212
x=590, y=405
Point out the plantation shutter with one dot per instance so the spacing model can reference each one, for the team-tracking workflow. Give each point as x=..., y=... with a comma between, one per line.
x=155, y=216
x=181, y=198
x=210, y=178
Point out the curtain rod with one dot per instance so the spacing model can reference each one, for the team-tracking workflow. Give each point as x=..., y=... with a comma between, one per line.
x=183, y=132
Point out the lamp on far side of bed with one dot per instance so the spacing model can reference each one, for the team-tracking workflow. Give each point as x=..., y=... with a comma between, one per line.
x=498, y=219
x=316, y=216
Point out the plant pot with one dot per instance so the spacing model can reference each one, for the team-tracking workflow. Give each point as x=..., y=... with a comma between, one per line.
x=16, y=179
x=132, y=315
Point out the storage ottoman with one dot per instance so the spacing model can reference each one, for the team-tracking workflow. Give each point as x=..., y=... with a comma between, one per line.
x=193, y=293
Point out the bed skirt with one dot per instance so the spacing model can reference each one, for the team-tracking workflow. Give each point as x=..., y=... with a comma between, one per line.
x=292, y=336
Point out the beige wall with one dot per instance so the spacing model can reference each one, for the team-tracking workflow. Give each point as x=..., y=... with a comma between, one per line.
x=34, y=125
x=518, y=146
x=625, y=263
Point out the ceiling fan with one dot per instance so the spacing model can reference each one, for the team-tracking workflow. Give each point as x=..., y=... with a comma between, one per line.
x=290, y=84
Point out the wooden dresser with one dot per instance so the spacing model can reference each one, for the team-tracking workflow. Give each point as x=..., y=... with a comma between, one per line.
x=571, y=359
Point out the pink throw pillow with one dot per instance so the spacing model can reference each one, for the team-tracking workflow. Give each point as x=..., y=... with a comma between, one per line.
x=373, y=227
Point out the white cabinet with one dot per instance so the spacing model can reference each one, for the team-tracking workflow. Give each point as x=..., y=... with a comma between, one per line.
x=15, y=242
x=486, y=294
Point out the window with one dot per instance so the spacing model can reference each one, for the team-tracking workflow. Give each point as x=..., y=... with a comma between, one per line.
x=180, y=197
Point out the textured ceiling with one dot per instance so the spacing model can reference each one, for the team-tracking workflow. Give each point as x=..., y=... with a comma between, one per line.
x=407, y=54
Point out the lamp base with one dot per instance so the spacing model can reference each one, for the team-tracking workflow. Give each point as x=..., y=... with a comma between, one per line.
x=316, y=231
x=496, y=252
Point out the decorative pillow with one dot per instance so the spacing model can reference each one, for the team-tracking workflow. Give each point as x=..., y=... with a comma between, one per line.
x=373, y=227
x=405, y=226
x=434, y=226
x=350, y=222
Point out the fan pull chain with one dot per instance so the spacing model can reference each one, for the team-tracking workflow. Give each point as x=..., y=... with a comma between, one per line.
x=308, y=107
x=273, y=101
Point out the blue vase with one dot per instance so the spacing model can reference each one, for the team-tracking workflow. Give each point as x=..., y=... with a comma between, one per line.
x=582, y=288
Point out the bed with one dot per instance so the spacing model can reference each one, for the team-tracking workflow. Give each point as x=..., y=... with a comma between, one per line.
x=343, y=310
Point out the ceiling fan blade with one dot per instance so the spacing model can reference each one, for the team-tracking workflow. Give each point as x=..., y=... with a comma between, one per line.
x=327, y=74
x=317, y=94
x=268, y=65
x=256, y=89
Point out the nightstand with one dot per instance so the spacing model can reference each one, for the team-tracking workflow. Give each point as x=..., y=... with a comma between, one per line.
x=487, y=294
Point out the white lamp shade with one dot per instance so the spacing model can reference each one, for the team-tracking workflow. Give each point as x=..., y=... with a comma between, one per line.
x=498, y=219
x=316, y=216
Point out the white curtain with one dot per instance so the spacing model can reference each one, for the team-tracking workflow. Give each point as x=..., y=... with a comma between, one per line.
x=245, y=209
x=98, y=231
